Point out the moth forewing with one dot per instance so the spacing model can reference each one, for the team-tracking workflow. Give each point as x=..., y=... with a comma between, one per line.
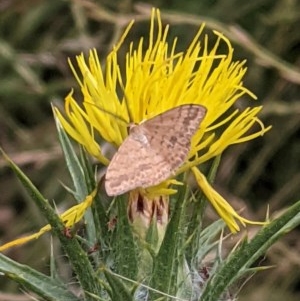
x=154, y=149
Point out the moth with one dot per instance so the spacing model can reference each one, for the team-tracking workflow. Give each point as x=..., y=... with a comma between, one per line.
x=154, y=149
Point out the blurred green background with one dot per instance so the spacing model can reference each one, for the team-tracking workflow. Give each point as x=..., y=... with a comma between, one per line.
x=37, y=37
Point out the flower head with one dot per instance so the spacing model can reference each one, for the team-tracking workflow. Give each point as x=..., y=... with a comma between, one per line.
x=157, y=78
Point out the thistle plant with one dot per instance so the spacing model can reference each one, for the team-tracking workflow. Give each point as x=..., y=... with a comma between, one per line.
x=149, y=241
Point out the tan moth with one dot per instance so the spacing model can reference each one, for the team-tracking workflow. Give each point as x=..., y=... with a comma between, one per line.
x=153, y=150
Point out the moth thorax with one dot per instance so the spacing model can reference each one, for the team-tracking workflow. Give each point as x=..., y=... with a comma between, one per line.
x=137, y=132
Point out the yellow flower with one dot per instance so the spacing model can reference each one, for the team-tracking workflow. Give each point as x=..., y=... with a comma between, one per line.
x=157, y=78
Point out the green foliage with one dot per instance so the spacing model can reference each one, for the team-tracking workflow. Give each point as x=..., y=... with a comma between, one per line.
x=174, y=271
x=44, y=286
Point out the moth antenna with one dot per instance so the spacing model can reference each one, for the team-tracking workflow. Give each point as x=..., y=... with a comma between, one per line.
x=125, y=99
x=117, y=117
